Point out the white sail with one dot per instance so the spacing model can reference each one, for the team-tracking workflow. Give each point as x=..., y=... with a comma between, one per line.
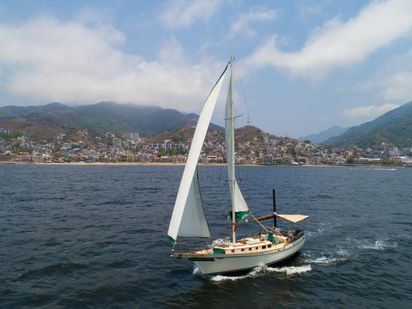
x=238, y=202
x=193, y=222
x=188, y=185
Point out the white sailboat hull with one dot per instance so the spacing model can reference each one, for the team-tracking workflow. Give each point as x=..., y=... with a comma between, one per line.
x=218, y=264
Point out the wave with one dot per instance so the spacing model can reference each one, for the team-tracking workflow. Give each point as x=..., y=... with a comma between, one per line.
x=196, y=270
x=324, y=260
x=383, y=169
x=379, y=244
x=323, y=227
x=261, y=270
x=125, y=263
x=147, y=189
x=292, y=270
x=324, y=196
x=339, y=257
x=312, y=233
x=52, y=270
x=342, y=252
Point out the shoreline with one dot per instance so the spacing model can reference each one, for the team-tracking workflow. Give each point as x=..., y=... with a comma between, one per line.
x=183, y=164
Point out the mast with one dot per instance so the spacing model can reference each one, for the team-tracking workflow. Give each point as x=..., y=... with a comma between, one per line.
x=275, y=225
x=231, y=148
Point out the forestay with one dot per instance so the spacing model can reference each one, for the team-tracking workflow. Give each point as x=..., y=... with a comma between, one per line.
x=188, y=218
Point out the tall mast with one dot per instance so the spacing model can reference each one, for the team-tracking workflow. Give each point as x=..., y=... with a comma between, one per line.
x=231, y=147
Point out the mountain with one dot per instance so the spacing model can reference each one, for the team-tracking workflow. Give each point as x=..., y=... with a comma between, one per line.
x=393, y=127
x=322, y=136
x=215, y=134
x=48, y=120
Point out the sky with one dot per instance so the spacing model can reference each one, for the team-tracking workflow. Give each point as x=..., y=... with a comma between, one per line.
x=301, y=66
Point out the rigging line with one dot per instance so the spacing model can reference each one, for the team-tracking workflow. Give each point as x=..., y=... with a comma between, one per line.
x=261, y=225
x=234, y=117
x=245, y=101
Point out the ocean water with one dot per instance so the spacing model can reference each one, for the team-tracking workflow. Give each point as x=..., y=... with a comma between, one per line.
x=95, y=237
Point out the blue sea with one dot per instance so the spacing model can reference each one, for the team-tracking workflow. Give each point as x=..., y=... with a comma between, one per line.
x=95, y=237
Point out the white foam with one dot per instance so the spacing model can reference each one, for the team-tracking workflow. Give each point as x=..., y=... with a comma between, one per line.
x=219, y=278
x=343, y=252
x=380, y=245
x=384, y=169
x=291, y=270
x=260, y=270
x=323, y=260
x=196, y=270
x=312, y=233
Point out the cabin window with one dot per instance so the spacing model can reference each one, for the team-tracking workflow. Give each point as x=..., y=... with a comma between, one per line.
x=233, y=251
x=269, y=246
x=257, y=248
x=243, y=249
x=250, y=249
x=263, y=247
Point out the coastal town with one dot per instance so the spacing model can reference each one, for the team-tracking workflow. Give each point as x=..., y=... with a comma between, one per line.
x=253, y=147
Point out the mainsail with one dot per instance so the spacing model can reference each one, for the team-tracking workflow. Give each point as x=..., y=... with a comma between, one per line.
x=238, y=202
x=188, y=218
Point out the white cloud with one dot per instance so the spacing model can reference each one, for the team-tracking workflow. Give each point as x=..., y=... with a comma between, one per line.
x=398, y=86
x=242, y=25
x=183, y=13
x=369, y=111
x=391, y=81
x=308, y=10
x=339, y=44
x=70, y=62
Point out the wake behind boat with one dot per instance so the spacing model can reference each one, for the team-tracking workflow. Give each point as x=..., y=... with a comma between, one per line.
x=189, y=220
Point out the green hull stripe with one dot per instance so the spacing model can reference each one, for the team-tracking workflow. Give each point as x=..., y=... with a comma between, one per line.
x=219, y=251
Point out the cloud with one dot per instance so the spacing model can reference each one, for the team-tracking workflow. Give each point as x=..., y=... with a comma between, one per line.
x=369, y=111
x=339, y=44
x=183, y=13
x=391, y=80
x=70, y=62
x=308, y=10
x=242, y=25
x=398, y=86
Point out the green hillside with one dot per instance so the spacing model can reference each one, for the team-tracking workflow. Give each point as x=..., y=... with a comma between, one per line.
x=50, y=119
x=394, y=127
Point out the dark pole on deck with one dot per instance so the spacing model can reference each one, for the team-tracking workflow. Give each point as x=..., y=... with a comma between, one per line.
x=274, y=208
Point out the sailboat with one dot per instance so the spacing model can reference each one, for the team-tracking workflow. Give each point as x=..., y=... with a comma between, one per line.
x=188, y=218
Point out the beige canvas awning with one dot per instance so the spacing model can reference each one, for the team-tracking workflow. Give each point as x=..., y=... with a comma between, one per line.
x=290, y=218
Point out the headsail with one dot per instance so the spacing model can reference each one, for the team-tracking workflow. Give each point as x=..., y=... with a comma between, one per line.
x=238, y=202
x=241, y=209
x=187, y=205
x=193, y=222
